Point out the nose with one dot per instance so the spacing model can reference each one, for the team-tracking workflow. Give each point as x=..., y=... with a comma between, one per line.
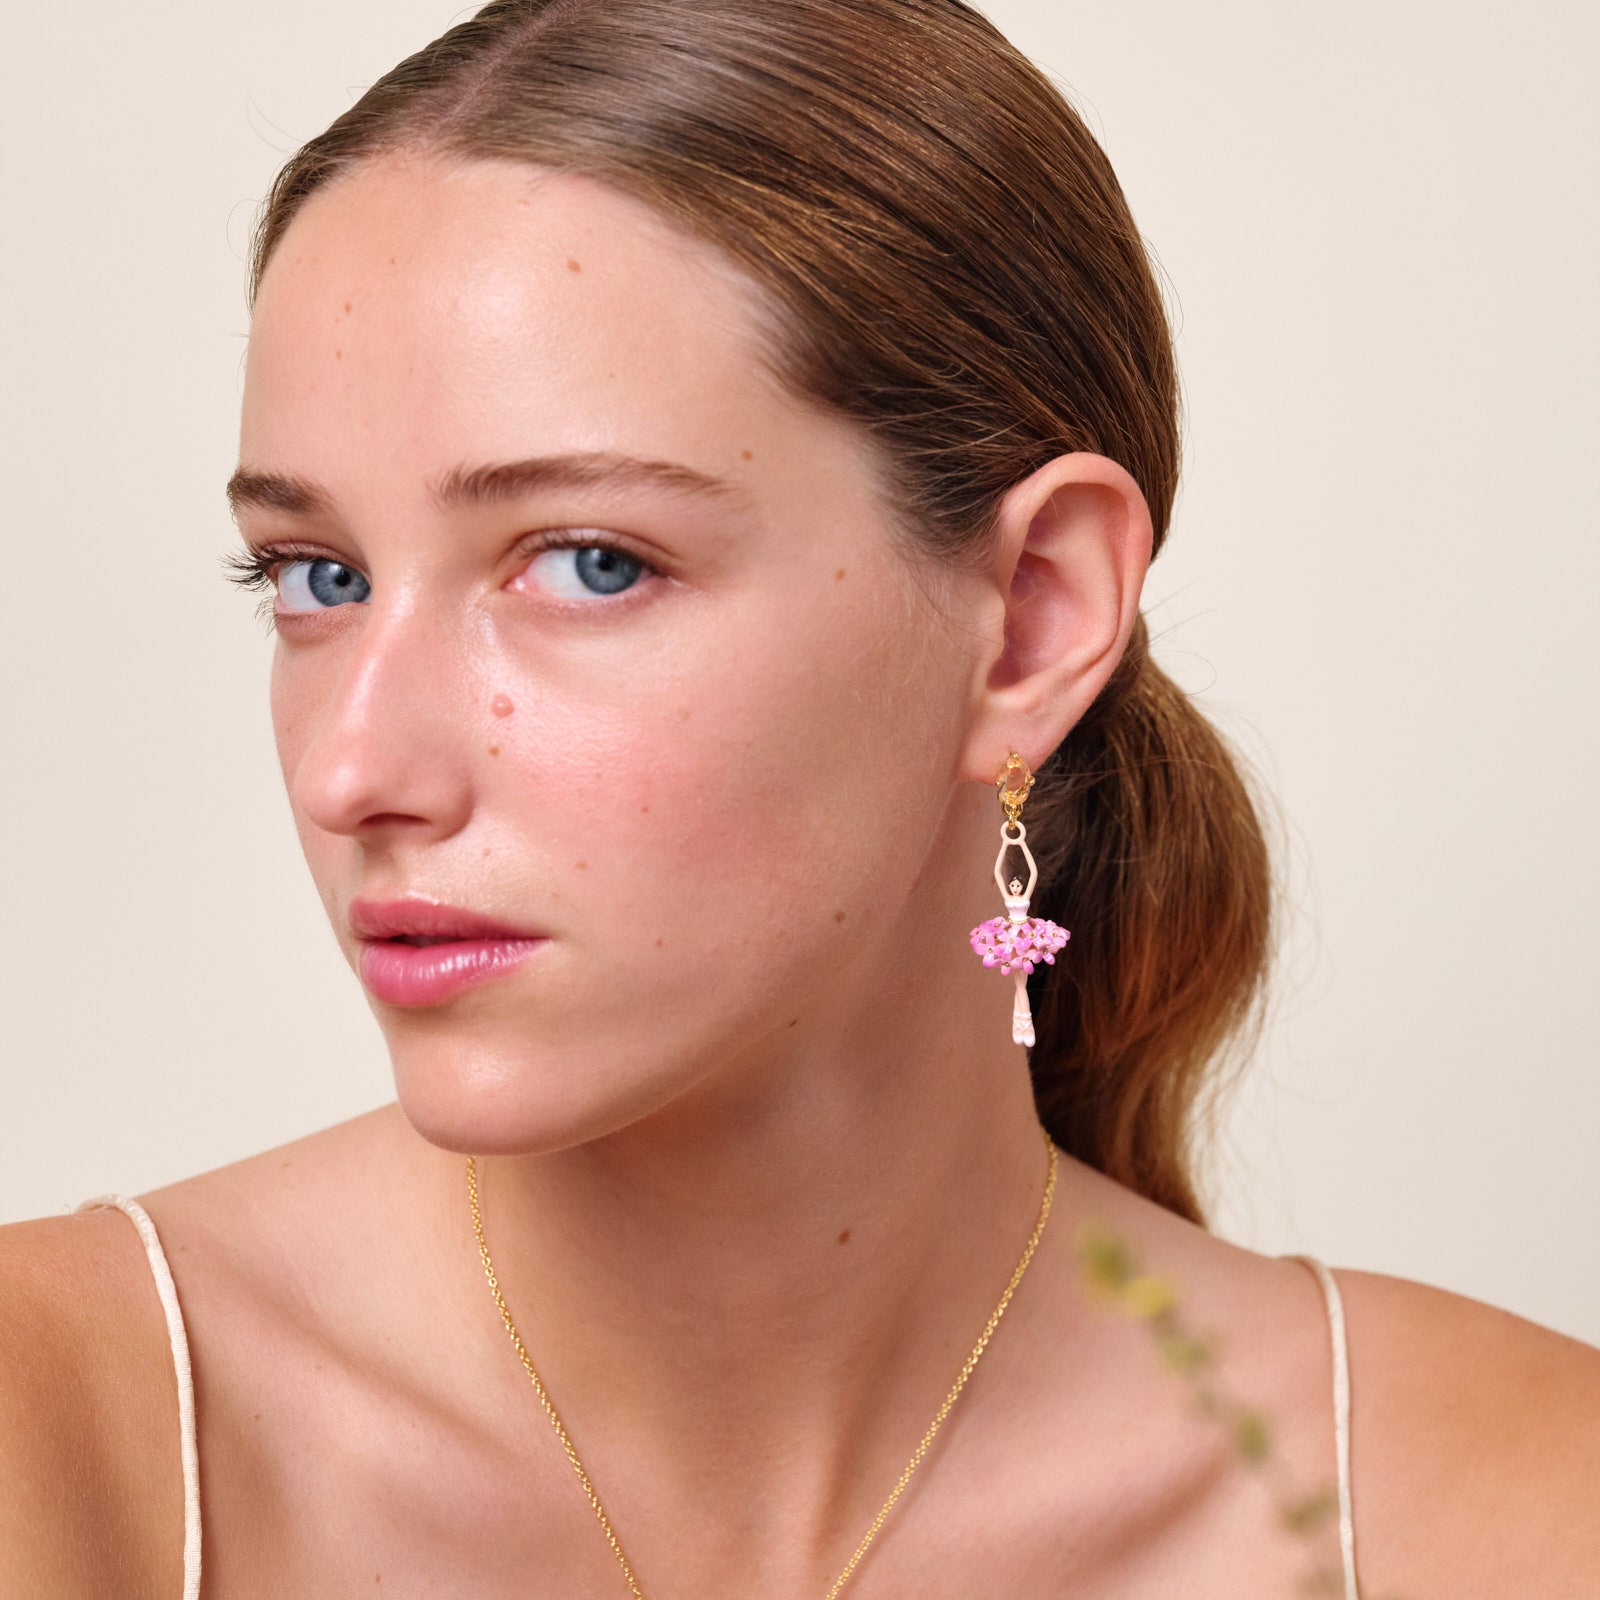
x=379, y=730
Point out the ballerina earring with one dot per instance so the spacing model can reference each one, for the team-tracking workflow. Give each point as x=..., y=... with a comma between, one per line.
x=1016, y=941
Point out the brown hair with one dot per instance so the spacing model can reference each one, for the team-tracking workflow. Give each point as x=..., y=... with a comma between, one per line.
x=964, y=279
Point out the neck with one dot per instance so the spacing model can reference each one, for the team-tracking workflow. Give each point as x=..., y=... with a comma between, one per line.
x=756, y=1298
x=801, y=1287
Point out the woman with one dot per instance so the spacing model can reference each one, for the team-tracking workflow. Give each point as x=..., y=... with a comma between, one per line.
x=702, y=461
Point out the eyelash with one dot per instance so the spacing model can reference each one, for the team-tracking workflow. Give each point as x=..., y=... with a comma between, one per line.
x=256, y=569
x=252, y=570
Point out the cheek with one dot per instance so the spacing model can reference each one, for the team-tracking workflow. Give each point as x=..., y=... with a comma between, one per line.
x=293, y=695
x=286, y=722
x=738, y=809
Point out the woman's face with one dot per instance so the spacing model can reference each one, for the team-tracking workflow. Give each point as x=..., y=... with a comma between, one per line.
x=703, y=754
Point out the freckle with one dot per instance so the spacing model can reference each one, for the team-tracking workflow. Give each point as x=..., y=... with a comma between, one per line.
x=794, y=1022
x=494, y=749
x=659, y=943
x=582, y=866
x=745, y=455
x=844, y=1237
x=645, y=806
x=486, y=855
x=839, y=573
x=338, y=355
x=573, y=266
x=501, y=705
x=258, y=1416
x=685, y=714
x=838, y=916
x=391, y=261
x=347, y=305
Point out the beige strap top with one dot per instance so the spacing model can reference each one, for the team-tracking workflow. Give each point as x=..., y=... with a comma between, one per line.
x=191, y=1455
x=1341, y=1418
x=180, y=1363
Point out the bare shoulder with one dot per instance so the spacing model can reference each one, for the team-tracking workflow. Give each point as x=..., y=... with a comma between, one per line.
x=91, y=1474
x=1475, y=1446
x=87, y=1506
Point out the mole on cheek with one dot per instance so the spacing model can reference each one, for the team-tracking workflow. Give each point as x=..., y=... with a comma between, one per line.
x=494, y=749
x=574, y=266
x=501, y=706
x=844, y=1237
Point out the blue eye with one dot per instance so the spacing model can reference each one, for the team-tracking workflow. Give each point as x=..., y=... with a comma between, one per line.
x=598, y=566
x=605, y=569
x=315, y=585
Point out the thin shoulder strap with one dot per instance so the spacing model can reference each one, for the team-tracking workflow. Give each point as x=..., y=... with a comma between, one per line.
x=168, y=1292
x=1341, y=1417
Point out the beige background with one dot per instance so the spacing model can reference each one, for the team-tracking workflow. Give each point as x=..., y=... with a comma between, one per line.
x=1379, y=223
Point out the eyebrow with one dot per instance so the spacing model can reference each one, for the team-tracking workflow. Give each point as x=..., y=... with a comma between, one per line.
x=488, y=485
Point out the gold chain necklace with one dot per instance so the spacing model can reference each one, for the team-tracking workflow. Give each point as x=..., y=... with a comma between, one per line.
x=911, y=1466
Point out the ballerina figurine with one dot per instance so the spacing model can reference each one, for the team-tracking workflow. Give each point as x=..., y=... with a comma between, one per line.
x=1016, y=941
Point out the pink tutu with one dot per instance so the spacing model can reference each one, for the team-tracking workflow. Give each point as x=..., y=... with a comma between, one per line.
x=1007, y=944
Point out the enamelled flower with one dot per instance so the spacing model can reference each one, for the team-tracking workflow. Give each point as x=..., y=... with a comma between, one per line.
x=1007, y=944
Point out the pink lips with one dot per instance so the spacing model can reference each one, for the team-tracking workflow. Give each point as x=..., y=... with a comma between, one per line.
x=421, y=953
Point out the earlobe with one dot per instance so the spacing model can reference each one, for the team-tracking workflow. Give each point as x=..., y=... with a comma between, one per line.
x=1072, y=546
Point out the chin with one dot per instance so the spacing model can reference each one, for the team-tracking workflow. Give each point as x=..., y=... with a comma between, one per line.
x=478, y=1096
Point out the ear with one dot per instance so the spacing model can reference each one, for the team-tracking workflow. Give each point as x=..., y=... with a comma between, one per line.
x=1071, y=547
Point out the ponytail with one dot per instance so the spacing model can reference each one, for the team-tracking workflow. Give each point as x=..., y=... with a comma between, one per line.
x=1151, y=851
